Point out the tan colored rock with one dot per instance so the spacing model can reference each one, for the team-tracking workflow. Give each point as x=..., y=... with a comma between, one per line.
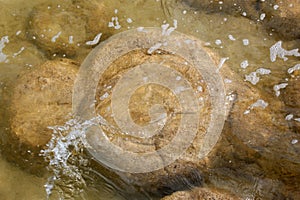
x=62, y=28
x=255, y=120
x=255, y=130
x=42, y=97
x=201, y=194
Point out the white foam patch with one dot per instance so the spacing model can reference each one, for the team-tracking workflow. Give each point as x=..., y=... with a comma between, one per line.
x=289, y=117
x=262, y=16
x=294, y=141
x=222, y=62
x=277, y=51
x=294, y=68
x=253, y=77
x=3, y=41
x=71, y=41
x=154, y=48
x=55, y=37
x=104, y=96
x=218, y=42
x=246, y=42
x=167, y=30
x=226, y=80
x=141, y=29
x=244, y=64
x=258, y=104
x=95, y=40
x=114, y=23
x=263, y=71
x=65, y=157
x=277, y=88
x=19, y=52
x=129, y=20
x=231, y=38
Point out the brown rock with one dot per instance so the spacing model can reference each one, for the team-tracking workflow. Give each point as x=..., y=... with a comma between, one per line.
x=233, y=7
x=282, y=17
x=255, y=139
x=155, y=181
x=201, y=194
x=287, y=9
x=255, y=125
x=41, y=98
x=61, y=28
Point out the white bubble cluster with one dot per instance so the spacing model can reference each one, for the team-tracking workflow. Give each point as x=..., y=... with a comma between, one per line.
x=64, y=153
x=258, y=104
x=253, y=77
x=277, y=51
x=3, y=40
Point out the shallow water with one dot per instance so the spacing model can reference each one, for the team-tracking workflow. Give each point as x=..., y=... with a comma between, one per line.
x=223, y=34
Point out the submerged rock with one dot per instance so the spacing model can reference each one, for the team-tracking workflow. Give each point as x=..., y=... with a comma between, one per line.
x=201, y=194
x=62, y=28
x=280, y=17
x=152, y=75
x=173, y=116
x=41, y=98
x=133, y=81
x=248, y=9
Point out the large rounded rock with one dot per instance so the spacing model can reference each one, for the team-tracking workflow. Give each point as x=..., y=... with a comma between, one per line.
x=156, y=66
x=170, y=116
x=41, y=98
x=61, y=28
